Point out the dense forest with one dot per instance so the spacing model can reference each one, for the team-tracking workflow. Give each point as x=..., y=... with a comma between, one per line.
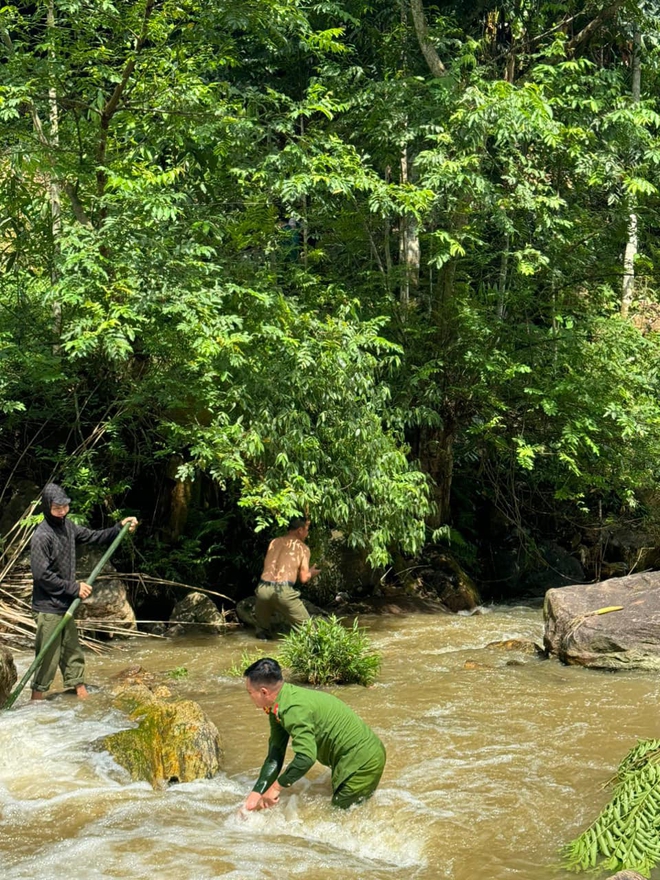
x=388, y=262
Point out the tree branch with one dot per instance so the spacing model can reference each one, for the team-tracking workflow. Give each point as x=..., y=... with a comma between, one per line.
x=593, y=26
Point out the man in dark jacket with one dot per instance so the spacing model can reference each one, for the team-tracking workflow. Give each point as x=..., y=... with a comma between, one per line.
x=53, y=561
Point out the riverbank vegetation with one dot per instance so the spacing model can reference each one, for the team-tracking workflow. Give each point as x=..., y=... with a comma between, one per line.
x=394, y=264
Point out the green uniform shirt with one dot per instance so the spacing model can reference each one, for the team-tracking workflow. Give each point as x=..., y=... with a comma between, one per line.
x=322, y=728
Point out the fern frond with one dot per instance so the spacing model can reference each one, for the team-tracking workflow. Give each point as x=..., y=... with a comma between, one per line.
x=626, y=835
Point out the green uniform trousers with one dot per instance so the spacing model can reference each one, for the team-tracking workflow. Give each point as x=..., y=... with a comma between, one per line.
x=360, y=785
x=280, y=599
x=65, y=652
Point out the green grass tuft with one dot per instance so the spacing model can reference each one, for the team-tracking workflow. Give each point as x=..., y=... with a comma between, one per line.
x=247, y=658
x=323, y=651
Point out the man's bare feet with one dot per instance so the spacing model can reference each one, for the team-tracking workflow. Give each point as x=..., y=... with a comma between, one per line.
x=81, y=692
x=37, y=695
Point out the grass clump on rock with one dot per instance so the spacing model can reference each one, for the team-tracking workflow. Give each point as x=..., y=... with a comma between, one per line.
x=323, y=651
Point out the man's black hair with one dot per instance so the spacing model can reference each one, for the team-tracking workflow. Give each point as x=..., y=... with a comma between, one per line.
x=297, y=522
x=264, y=673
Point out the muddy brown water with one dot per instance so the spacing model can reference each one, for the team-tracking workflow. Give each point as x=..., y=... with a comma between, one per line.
x=490, y=769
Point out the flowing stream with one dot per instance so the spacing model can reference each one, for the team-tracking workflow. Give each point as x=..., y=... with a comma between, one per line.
x=491, y=766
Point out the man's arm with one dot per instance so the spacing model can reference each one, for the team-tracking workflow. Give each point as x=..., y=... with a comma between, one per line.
x=305, y=573
x=277, y=744
x=303, y=742
x=102, y=536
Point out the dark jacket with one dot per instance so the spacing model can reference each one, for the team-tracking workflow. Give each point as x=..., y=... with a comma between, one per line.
x=53, y=554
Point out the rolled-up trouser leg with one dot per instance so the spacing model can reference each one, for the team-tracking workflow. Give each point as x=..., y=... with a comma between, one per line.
x=45, y=673
x=360, y=785
x=72, y=658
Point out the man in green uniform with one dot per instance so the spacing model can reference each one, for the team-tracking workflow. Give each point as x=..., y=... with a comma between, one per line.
x=322, y=728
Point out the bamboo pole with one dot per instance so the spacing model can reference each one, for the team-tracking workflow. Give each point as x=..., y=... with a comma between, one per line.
x=36, y=663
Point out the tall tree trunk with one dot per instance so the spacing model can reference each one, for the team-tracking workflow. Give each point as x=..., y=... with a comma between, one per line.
x=628, y=292
x=53, y=185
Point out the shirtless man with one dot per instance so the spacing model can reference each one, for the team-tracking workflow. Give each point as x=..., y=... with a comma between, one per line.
x=287, y=561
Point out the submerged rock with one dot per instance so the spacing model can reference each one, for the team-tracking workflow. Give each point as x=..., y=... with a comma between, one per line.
x=173, y=741
x=581, y=630
x=522, y=646
x=200, y=613
x=8, y=674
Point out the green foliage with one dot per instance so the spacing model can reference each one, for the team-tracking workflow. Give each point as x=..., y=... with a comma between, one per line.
x=625, y=835
x=208, y=208
x=323, y=651
x=247, y=658
x=177, y=673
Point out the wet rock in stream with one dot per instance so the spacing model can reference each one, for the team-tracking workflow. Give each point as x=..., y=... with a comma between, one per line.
x=613, y=624
x=174, y=741
x=7, y=673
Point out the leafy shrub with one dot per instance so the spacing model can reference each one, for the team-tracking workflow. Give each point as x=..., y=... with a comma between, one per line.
x=323, y=651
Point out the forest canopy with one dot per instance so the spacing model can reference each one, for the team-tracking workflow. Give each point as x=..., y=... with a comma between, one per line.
x=391, y=263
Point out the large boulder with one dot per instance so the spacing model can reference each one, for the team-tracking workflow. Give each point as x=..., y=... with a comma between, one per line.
x=580, y=630
x=7, y=674
x=108, y=605
x=197, y=612
x=344, y=569
x=173, y=741
x=442, y=578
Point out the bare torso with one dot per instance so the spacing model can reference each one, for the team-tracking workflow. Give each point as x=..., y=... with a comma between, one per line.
x=283, y=560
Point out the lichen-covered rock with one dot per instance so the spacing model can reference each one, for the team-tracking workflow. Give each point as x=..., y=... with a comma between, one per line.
x=108, y=605
x=7, y=673
x=173, y=742
x=614, y=624
x=199, y=612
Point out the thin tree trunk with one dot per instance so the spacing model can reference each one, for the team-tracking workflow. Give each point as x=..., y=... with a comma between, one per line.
x=53, y=185
x=409, y=253
x=628, y=292
x=504, y=265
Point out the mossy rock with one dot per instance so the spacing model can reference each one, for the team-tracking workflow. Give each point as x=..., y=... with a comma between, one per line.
x=173, y=742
